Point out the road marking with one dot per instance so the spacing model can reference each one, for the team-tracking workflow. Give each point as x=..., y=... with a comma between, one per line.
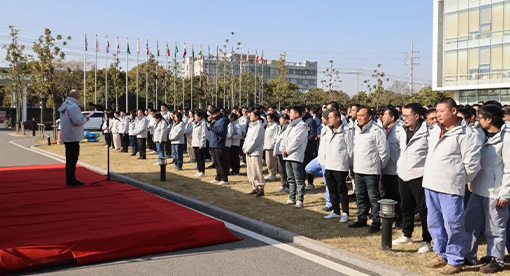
x=285, y=247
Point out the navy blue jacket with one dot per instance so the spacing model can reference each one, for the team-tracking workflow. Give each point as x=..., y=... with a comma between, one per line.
x=312, y=132
x=218, y=132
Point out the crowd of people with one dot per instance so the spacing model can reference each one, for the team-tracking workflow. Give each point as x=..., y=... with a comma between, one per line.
x=446, y=165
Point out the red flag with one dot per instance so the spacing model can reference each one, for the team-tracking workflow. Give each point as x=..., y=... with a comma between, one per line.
x=184, y=53
x=262, y=58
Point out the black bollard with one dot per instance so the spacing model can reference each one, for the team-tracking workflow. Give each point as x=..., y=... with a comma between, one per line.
x=387, y=214
x=34, y=125
x=49, y=141
x=162, y=168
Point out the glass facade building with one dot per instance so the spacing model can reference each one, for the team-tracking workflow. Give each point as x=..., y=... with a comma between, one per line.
x=472, y=49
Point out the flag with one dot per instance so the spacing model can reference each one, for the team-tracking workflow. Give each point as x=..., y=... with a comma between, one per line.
x=256, y=57
x=192, y=52
x=107, y=45
x=184, y=53
x=118, y=45
x=200, y=52
x=127, y=47
x=176, y=50
x=97, y=45
x=147, y=47
x=167, y=50
x=209, y=52
x=157, y=47
x=217, y=57
x=86, y=43
x=262, y=57
x=137, y=45
x=248, y=55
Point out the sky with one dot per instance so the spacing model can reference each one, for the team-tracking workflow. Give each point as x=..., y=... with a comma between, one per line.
x=354, y=34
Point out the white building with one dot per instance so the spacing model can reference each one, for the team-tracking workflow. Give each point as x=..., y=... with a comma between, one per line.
x=303, y=74
x=471, y=49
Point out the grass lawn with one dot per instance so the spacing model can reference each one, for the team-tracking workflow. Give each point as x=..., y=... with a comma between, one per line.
x=308, y=221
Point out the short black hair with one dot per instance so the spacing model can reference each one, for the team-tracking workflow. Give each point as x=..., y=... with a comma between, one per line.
x=369, y=111
x=233, y=116
x=272, y=116
x=333, y=104
x=178, y=115
x=492, y=102
x=465, y=112
x=449, y=101
x=393, y=112
x=416, y=108
x=335, y=112
x=285, y=116
x=216, y=110
x=493, y=112
x=157, y=116
x=298, y=108
x=429, y=111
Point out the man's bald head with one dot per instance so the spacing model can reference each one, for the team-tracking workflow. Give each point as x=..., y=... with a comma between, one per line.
x=75, y=94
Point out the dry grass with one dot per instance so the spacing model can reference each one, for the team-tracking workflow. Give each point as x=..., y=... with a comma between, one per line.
x=269, y=209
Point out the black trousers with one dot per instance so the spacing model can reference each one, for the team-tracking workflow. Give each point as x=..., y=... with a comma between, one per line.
x=389, y=190
x=234, y=159
x=142, y=147
x=309, y=156
x=226, y=161
x=125, y=142
x=108, y=139
x=168, y=149
x=281, y=167
x=72, y=152
x=337, y=190
x=150, y=142
x=200, y=158
x=207, y=151
x=413, y=197
x=242, y=153
x=219, y=156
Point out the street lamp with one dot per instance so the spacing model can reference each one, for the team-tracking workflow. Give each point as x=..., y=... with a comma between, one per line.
x=387, y=214
x=162, y=166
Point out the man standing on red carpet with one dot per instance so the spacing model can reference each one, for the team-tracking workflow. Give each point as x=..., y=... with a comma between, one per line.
x=71, y=124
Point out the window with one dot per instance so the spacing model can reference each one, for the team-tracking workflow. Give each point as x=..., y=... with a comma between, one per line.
x=507, y=17
x=485, y=21
x=464, y=25
x=497, y=20
x=497, y=58
x=473, y=63
x=474, y=21
x=506, y=62
x=452, y=25
x=485, y=62
x=451, y=64
x=463, y=64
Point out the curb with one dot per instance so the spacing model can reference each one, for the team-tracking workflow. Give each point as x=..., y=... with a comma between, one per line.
x=259, y=227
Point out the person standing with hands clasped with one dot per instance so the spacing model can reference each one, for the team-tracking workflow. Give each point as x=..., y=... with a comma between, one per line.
x=71, y=124
x=253, y=148
x=199, y=141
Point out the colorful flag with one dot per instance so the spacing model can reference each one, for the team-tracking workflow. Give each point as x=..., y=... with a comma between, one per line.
x=127, y=47
x=107, y=45
x=176, y=50
x=256, y=57
x=97, y=45
x=217, y=54
x=157, y=47
x=137, y=45
x=167, y=50
x=200, y=52
x=262, y=57
x=184, y=53
x=147, y=47
x=118, y=45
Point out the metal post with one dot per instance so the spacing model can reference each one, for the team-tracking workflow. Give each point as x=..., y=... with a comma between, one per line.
x=387, y=214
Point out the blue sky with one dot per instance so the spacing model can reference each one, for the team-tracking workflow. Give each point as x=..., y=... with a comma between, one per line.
x=355, y=34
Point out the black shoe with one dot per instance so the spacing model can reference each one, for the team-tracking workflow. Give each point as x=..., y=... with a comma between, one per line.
x=260, y=192
x=327, y=209
x=374, y=229
x=143, y=158
x=75, y=183
x=253, y=192
x=233, y=173
x=470, y=263
x=492, y=267
x=358, y=224
x=133, y=154
x=485, y=260
x=398, y=225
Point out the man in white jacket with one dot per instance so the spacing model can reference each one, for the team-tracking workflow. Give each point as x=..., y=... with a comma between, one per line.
x=269, y=140
x=413, y=138
x=124, y=131
x=453, y=160
x=487, y=210
x=71, y=123
x=371, y=154
x=292, y=147
x=141, y=134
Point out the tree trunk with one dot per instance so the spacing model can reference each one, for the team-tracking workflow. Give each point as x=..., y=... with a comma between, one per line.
x=17, y=111
x=54, y=111
x=42, y=110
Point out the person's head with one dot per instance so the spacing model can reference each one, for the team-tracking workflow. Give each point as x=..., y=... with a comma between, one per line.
x=333, y=105
x=491, y=116
x=140, y=113
x=233, y=117
x=325, y=116
x=132, y=115
x=157, y=117
x=177, y=117
x=216, y=112
x=122, y=113
x=164, y=107
x=295, y=112
x=254, y=115
x=317, y=111
x=271, y=117
x=411, y=114
x=75, y=94
x=199, y=115
x=244, y=111
x=431, y=116
x=284, y=119
x=496, y=103
x=334, y=118
x=481, y=103
x=446, y=111
x=354, y=110
x=364, y=116
x=507, y=114
x=390, y=115
x=210, y=107
x=465, y=114
x=399, y=109
x=380, y=113
x=116, y=114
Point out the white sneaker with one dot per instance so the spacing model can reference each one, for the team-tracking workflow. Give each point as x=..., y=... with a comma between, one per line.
x=425, y=248
x=331, y=215
x=199, y=174
x=344, y=218
x=402, y=240
x=223, y=183
x=156, y=164
x=299, y=204
x=270, y=178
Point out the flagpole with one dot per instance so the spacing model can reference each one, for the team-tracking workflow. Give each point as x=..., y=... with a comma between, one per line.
x=157, y=65
x=192, y=73
x=85, y=75
x=262, y=79
x=127, y=67
x=224, y=82
x=137, y=54
x=116, y=78
x=183, y=75
x=166, y=71
x=255, y=93
x=240, y=78
x=201, y=63
x=147, y=77
x=175, y=77
x=216, y=81
x=232, y=77
x=106, y=86
x=95, y=74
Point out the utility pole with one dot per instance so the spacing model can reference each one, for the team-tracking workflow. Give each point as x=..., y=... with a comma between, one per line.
x=410, y=61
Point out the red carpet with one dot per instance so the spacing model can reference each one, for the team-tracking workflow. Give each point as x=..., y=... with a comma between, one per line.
x=43, y=221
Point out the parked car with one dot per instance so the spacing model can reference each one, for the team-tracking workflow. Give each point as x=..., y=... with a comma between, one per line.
x=95, y=122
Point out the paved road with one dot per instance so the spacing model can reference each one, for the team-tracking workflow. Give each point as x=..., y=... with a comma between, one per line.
x=255, y=255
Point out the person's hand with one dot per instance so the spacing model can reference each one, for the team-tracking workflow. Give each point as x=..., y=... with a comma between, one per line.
x=469, y=187
x=501, y=203
x=244, y=151
x=284, y=153
x=201, y=148
x=88, y=118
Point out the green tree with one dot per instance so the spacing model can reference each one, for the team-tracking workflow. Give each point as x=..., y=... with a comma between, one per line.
x=282, y=89
x=18, y=72
x=332, y=79
x=426, y=96
x=360, y=98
